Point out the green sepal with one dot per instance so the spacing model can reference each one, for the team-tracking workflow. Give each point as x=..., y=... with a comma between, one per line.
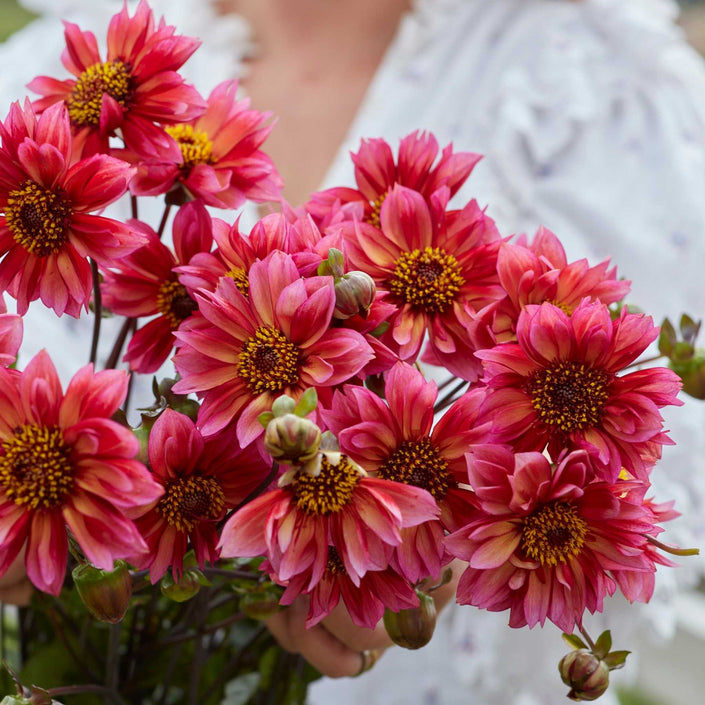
x=574, y=641
x=616, y=659
x=603, y=644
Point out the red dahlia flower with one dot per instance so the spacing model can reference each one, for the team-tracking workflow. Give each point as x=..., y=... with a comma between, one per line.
x=10, y=335
x=239, y=354
x=439, y=270
x=559, y=385
x=221, y=162
x=136, y=86
x=397, y=441
x=295, y=526
x=144, y=284
x=201, y=479
x=377, y=173
x=47, y=231
x=546, y=543
x=65, y=464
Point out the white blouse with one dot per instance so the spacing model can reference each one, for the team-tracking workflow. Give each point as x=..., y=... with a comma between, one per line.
x=592, y=119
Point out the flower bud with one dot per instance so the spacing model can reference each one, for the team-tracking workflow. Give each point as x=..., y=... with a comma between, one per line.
x=186, y=587
x=587, y=675
x=412, y=628
x=692, y=372
x=292, y=439
x=105, y=593
x=354, y=294
x=260, y=604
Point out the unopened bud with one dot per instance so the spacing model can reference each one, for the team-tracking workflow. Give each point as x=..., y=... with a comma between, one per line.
x=692, y=372
x=587, y=675
x=292, y=439
x=105, y=593
x=186, y=587
x=354, y=294
x=260, y=604
x=412, y=628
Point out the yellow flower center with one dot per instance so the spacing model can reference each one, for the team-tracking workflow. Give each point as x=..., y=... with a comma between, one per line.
x=428, y=279
x=553, y=534
x=569, y=395
x=35, y=468
x=373, y=218
x=268, y=361
x=38, y=219
x=195, y=146
x=86, y=101
x=174, y=303
x=418, y=463
x=189, y=500
x=239, y=276
x=330, y=490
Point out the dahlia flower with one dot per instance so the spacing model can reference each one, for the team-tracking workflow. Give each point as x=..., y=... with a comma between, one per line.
x=220, y=158
x=377, y=172
x=144, y=284
x=396, y=440
x=359, y=516
x=546, y=542
x=47, y=231
x=65, y=464
x=538, y=272
x=201, y=479
x=366, y=602
x=239, y=354
x=559, y=385
x=10, y=335
x=438, y=270
x=136, y=86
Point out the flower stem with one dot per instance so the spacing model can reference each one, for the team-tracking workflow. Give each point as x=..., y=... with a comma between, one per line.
x=165, y=217
x=97, y=311
x=673, y=550
x=128, y=326
x=449, y=398
x=587, y=638
x=645, y=361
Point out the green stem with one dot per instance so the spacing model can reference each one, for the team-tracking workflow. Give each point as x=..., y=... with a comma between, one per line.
x=97, y=311
x=587, y=638
x=645, y=361
x=673, y=550
x=112, y=666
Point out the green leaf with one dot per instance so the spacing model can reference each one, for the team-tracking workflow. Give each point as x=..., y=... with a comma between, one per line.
x=616, y=659
x=239, y=690
x=574, y=641
x=689, y=328
x=603, y=644
x=667, y=338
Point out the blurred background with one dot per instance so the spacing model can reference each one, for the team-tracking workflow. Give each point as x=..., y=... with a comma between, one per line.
x=669, y=674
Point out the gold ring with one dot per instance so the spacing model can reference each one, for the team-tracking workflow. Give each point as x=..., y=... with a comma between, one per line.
x=368, y=658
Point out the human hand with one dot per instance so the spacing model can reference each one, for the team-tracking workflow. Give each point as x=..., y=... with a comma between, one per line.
x=15, y=587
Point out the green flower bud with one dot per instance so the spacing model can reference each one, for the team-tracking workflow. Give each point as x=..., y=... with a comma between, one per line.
x=412, y=628
x=260, y=604
x=186, y=587
x=292, y=439
x=354, y=293
x=692, y=372
x=587, y=675
x=105, y=593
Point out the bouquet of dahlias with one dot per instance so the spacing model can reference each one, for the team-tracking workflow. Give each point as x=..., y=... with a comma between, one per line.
x=299, y=444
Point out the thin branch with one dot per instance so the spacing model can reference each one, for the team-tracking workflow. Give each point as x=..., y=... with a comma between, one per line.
x=128, y=326
x=449, y=398
x=97, y=311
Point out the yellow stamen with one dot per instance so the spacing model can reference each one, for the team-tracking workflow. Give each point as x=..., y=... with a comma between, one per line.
x=188, y=500
x=195, y=146
x=330, y=490
x=268, y=361
x=86, y=101
x=553, y=534
x=174, y=303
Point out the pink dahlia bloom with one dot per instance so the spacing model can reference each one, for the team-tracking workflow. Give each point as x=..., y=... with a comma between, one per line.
x=201, y=479
x=559, y=385
x=10, y=335
x=538, y=272
x=438, y=269
x=397, y=440
x=220, y=157
x=365, y=602
x=145, y=284
x=47, y=230
x=377, y=173
x=547, y=542
x=65, y=465
x=134, y=88
x=295, y=526
x=240, y=353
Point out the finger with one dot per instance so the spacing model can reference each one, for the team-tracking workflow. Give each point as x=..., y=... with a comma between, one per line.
x=340, y=624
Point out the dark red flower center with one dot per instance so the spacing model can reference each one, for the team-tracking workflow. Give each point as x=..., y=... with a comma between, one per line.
x=330, y=490
x=38, y=219
x=189, y=500
x=334, y=564
x=553, y=533
x=86, y=101
x=418, y=463
x=36, y=468
x=174, y=303
x=195, y=146
x=268, y=361
x=569, y=394
x=428, y=279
